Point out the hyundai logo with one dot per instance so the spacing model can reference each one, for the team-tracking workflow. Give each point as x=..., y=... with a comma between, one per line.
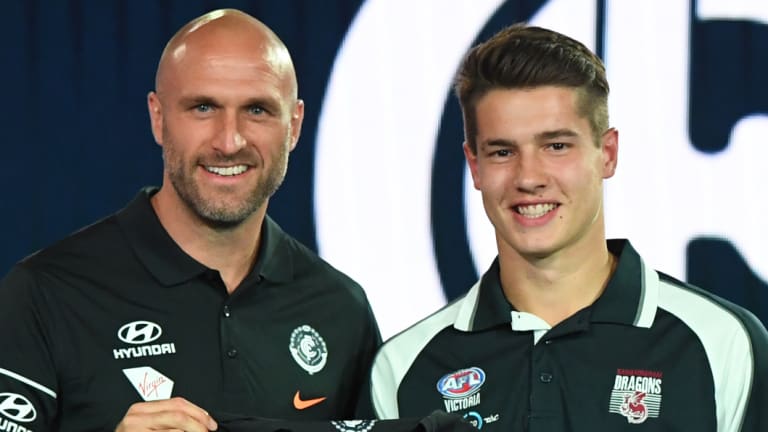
x=17, y=407
x=139, y=332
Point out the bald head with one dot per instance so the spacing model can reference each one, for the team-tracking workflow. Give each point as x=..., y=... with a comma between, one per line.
x=225, y=33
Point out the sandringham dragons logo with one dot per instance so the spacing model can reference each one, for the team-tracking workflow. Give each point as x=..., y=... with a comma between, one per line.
x=636, y=395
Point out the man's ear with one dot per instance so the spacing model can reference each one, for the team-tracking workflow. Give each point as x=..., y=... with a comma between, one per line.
x=297, y=119
x=610, y=152
x=155, y=116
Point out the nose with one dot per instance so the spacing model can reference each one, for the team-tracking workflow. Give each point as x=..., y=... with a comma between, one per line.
x=229, y=137
x=531, y=177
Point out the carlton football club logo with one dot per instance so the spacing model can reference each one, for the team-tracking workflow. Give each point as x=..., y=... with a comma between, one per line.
x=308, y=349
x=353, y=425
x=636, y=395
x=461, y=389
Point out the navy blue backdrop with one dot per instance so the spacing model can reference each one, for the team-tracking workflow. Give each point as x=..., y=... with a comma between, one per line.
x=77, y=144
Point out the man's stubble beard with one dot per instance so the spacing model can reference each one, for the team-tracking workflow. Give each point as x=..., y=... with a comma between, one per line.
x=222, y=215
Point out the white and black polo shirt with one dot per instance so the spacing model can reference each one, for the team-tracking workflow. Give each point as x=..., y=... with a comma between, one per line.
x=651, y=354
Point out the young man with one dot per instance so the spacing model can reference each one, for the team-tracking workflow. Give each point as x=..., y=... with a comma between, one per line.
x=566, y=331
x=191, y=299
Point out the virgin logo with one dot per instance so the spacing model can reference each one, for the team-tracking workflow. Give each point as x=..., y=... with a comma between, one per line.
x=148, y=387
x=139, y=332
x=17, y=407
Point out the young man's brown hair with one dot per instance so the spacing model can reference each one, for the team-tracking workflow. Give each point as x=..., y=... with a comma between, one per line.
x=522, y=56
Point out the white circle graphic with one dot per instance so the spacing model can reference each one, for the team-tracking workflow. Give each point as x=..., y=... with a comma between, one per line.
x=376, y=143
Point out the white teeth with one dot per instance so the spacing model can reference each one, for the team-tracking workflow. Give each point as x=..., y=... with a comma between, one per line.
x=535, y=210
x=227, y=171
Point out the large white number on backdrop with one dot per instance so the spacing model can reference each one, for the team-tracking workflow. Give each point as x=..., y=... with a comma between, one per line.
x=665, y=192
x=376, y=141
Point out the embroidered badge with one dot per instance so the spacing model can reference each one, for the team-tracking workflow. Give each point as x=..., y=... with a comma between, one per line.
x=636, y=395
x=461, y=389
x=308, y=349
x=353, y=425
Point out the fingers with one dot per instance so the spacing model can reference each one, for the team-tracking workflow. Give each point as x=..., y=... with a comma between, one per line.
x=176, y=414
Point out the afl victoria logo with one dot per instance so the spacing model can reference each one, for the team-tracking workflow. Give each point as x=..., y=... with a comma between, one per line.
x=139, y=332
x=461, y=383
x=17, y=408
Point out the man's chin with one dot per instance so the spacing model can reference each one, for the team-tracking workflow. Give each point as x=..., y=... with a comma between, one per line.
x=224, y=217
x=537, y=249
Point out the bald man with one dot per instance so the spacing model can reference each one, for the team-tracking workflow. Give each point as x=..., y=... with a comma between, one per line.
x=190, y=301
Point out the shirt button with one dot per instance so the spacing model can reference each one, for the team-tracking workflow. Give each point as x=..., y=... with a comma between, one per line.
x=227, y=313
x=232, y=353
x=548, y=341
x=545, y=377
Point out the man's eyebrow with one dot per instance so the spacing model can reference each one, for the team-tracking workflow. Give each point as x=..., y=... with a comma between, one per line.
x=267, y=102
x=499, y=142
x=558, y=133
x=196, y=100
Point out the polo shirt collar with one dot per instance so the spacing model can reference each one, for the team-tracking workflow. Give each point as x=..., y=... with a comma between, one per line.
x=632, y=293
x=275, y=260
x=630, y=297
x=170, y=265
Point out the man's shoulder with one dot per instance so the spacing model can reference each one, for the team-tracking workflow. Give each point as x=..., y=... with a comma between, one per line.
x=306, y=263
x=397, y=356
x=696, y=305
x=400, y=351
x=419, y=335
x=90, y=242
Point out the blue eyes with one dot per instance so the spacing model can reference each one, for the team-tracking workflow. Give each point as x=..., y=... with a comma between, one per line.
x=203, y=108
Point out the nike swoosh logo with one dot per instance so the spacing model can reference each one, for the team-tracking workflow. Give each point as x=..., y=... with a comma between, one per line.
x=301, y=404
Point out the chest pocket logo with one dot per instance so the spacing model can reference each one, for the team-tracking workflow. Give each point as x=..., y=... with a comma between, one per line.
x=139, y=332
x=308, y=349
x=17, y=408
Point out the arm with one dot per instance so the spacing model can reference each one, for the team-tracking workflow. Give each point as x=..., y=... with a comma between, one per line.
x=28, y=378
x=754, y=392
x=370, y=347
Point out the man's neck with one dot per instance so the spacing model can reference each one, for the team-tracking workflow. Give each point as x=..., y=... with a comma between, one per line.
x=232, y=251
x=555, y=287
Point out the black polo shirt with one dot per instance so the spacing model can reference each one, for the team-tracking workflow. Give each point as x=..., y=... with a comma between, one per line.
x=437, y=421
x=117, y=313
x=651, y=354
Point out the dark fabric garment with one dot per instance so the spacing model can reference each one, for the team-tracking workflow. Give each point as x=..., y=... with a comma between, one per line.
x=438, y=421
x=117, y=313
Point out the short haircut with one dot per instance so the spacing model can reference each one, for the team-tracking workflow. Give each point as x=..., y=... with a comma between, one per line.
x=525, y=57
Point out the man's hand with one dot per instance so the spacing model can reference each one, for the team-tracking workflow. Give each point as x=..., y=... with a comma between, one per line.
x=176, y=414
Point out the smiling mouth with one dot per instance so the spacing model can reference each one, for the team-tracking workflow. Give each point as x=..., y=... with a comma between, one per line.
x=227, y=171
x=534, y=211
